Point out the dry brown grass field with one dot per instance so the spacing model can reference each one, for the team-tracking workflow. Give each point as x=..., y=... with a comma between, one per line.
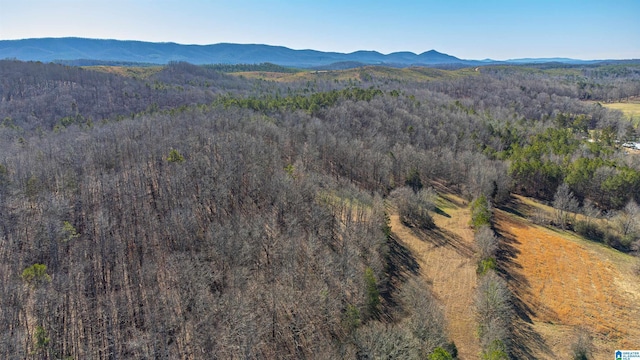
x=563, y=283
x=447, y=262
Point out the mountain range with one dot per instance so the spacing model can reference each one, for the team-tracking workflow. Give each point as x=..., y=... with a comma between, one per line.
x=71, y=49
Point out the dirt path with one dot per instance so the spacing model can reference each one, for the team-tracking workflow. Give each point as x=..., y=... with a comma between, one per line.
x=563, y=283
x=446, y=261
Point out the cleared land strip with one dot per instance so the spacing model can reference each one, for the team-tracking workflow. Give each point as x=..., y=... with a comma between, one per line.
x=447, y=262
x=564, y=283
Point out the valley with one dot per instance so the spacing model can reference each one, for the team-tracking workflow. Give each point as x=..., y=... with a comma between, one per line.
x=447, y=263
x=362, y=213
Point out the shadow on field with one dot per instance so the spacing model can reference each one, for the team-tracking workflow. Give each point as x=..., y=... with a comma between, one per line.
x=526, y=341
x=401, y=265
x=518, y=208
x=442, y=237
x=441, y=212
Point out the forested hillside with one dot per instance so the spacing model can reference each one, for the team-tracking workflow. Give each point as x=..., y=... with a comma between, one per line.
x=194, y=214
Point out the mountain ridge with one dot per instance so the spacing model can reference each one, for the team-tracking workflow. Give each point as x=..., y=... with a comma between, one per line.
x=75, y=48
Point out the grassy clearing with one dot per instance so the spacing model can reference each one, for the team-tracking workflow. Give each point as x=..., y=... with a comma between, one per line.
x=346, y=208
x=271, y=76
x=565, y=282
x=446, y=258
x=137, y=72
x=630, y=109
x=361, y=74
x=334, y=199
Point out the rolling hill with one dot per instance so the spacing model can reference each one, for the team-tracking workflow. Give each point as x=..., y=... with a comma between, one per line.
x=321, y=215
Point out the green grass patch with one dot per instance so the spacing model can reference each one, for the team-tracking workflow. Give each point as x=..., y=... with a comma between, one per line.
x=485, y=265
x=136, y=72
x=630, y=109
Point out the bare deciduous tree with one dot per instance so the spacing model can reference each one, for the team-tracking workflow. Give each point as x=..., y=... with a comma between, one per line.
x=565, y=204
x=486, y=242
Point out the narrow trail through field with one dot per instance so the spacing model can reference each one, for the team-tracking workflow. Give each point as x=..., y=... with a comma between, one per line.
x=562, y=283
x=446, y=260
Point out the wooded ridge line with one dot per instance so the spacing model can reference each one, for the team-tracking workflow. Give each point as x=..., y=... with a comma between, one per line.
x=68, y=49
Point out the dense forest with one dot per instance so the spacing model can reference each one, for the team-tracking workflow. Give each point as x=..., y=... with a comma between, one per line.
x=198, y=214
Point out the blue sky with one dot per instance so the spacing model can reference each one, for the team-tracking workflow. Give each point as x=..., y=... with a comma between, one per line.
x=469, y=29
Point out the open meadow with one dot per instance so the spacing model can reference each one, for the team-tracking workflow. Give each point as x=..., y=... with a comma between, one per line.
x=631, y=109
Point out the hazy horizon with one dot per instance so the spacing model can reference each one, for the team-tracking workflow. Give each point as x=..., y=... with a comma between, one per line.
x=499, y=29
x=304, y=49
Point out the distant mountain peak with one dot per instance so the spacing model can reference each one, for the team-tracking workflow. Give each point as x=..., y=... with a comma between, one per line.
x=73, y=48
x=134, y=51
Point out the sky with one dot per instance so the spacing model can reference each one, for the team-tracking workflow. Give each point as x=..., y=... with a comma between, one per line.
x=468, y=29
